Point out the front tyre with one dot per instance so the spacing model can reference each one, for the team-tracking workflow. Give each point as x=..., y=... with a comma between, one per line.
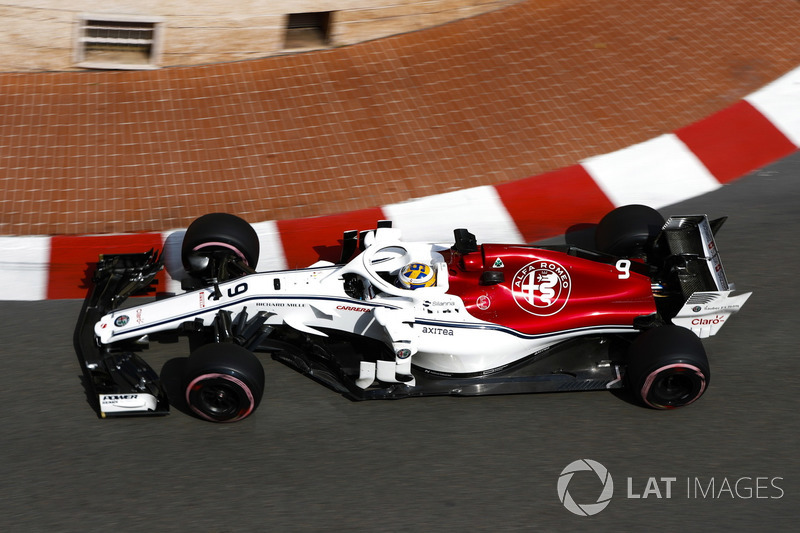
x=668, y=368
x=219, y=236
x=223, y=382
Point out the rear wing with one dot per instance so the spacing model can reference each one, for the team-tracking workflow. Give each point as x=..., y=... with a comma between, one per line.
x=709, y=298
x=693, y=238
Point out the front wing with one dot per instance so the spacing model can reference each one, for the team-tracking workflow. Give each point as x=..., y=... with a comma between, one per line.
x=118, y=381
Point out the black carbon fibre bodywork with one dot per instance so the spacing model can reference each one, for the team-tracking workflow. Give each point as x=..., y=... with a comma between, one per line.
x=116, y=370
x=579, y=364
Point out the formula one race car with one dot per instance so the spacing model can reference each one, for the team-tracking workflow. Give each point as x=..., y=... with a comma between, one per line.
x=395, y=319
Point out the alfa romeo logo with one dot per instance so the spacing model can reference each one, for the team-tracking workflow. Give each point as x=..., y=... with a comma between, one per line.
x=542, y=288
x=587, y=509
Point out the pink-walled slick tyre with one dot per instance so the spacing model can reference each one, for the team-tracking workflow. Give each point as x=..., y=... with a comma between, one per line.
x=668, y=368
x=223, y=382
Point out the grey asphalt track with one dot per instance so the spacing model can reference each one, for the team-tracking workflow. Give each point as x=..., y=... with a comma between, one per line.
x=310, y=460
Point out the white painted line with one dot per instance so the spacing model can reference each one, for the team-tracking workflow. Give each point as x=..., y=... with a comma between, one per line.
x=433, y=219
x=24, y=267
x=779, y=102
x=271, y=256
x=658, y=172
x=172, y=260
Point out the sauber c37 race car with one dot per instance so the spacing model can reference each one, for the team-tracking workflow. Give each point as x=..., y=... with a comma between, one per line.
x=394, y=319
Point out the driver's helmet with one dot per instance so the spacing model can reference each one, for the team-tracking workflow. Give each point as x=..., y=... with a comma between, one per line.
x=416, y=275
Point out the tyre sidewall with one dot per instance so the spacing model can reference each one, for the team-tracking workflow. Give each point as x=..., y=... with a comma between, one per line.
x=668, y=368
x=229, y=372
x=221, y=230
x=628, y=230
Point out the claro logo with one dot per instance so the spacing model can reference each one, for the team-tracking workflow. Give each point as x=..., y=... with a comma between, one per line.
x=708, y=321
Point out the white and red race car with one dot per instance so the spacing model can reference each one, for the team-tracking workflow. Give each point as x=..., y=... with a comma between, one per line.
x=395, y=319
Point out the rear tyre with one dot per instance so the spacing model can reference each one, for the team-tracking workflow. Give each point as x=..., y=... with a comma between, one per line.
x=668, y=368
x=629, y=230
x=223, y=382
x=217, y=235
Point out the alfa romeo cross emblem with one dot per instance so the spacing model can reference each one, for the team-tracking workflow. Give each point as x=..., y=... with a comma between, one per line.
x=542, y=288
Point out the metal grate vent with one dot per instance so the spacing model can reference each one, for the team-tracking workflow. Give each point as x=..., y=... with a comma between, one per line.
x=118, y=43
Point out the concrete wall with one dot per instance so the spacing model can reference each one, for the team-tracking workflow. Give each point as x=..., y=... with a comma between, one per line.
x=42, y=34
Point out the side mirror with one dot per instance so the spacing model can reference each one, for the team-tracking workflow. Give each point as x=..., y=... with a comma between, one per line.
x=465, y=241
x=198, y=263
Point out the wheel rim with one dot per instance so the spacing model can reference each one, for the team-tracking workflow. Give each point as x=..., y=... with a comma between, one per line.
x=673, y=386
x=220, y=397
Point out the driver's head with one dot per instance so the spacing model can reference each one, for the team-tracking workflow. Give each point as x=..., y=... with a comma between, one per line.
x=416, y=275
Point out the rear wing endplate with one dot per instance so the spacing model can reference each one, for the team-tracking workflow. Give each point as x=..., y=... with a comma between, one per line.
x=709, y=295
x=693, y=236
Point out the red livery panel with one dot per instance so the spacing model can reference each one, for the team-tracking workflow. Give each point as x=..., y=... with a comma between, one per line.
x=543, y=291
